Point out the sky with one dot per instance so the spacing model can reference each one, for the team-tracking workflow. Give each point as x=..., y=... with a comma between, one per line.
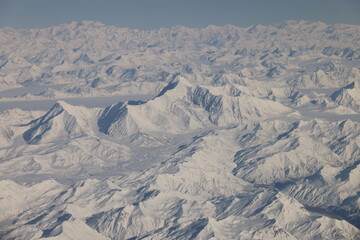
x=152, y=14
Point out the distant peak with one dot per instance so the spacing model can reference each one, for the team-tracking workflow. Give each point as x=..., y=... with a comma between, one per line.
x=64, y=106
x=56, y=108
x=92, y=23
x=177, y=81
x=179, y=27
x=77, y=24
x=352, y=85
x=168, y=87
x=292, y=22
x=62, y=103
x=213, y=27
x=182, y=80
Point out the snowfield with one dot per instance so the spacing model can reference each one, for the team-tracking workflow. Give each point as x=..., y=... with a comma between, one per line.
x=178, y=133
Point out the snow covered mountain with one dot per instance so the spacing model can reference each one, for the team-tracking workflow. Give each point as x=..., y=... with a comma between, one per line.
x=246, y=133
x=92, y=59
x=348, y=96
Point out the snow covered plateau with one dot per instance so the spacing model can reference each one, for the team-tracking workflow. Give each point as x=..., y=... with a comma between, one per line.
x=179, y=133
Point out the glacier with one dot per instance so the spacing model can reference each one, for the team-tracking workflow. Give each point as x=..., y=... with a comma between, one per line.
x=176, y=133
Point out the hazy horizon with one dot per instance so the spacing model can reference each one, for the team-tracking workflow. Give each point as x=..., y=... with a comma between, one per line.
x=156, y=14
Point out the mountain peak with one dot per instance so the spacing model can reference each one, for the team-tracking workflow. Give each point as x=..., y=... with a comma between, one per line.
x=71, y=109
x=348, y=96
x=178, y=82
x=63, y=119
x=352, y=85
x=87, y=23
x=62, y=106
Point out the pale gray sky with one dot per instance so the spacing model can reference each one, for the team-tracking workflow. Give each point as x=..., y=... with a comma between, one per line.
x=150, y=14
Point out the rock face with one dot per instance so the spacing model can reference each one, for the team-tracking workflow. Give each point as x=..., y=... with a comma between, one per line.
x=244, y=136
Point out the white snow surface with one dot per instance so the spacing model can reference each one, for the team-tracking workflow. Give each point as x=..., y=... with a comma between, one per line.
x=244, y=133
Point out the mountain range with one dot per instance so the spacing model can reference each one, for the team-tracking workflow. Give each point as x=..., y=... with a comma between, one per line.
x=224, y=133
